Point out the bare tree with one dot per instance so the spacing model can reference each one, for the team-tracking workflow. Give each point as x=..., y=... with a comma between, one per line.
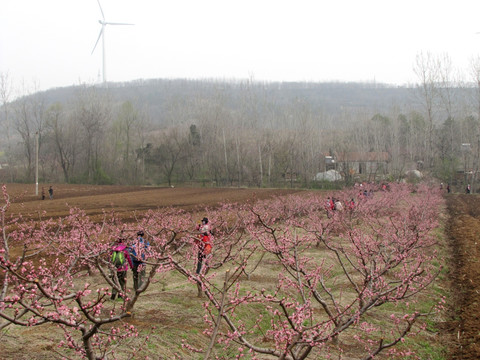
x=29, y=119
x=169, y=153
x=286, y=156
x=213, y=120
x=307, y=144
x=63, y=133
x=141, y=133
x=475, y=74
x=427, y=69
x=125, y=136
x=92, y=113
x=5, y=95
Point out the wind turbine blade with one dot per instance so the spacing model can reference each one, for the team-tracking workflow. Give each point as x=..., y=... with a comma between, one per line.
x=110, y=23
x=98, y=39
x=103, y=16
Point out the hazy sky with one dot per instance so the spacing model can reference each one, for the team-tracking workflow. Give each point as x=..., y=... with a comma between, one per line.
x=50, y=42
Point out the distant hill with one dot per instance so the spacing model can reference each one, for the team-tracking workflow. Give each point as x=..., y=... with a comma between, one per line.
x=332, y=99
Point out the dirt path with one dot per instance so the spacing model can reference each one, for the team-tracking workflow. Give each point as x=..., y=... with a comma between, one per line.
x=463, y=230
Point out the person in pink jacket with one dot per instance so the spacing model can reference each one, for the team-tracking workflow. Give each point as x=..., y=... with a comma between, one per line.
x=121, y=263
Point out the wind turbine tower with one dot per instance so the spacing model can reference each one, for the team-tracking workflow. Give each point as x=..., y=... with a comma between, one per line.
x=104, y=23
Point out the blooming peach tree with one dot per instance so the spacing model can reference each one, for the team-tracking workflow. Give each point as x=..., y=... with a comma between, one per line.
x=334, y=274
x=45, y=267
x=59, y=271
x=327, y=275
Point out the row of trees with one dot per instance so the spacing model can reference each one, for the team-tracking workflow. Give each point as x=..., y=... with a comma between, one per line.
x=337, y=276
x=250, y=138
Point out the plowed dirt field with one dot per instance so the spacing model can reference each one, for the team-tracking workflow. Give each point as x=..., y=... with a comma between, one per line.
x=125, y=200
x=463, y=230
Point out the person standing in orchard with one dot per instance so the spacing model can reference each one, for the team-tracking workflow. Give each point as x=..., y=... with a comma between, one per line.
x=351, y=204
x=204, y=243
x=120, y=259
x=137, y=254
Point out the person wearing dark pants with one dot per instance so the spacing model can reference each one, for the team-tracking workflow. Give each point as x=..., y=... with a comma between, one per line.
x=121, y=261
x=137, y=253
x=204, y=243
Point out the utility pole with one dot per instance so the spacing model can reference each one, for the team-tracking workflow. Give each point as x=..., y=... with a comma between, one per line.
x=36, y=163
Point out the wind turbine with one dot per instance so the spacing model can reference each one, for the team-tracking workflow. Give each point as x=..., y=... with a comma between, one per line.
x=104, y=23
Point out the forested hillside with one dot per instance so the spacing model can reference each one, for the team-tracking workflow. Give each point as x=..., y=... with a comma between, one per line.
x=333, y=98
x=234, y=133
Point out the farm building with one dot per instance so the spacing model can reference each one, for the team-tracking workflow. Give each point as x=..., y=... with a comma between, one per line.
x=363, y=163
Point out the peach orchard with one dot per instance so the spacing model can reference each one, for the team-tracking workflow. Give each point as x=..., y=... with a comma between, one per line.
x=334, y=271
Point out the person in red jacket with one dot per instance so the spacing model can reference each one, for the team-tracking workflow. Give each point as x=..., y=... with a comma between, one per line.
x=205, y=243
x=351, y=204
x=121, y=264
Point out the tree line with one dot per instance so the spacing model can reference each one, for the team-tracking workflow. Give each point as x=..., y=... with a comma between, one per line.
x=240, y=134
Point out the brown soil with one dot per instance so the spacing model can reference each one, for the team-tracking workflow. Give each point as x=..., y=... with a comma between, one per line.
x=125, y=200
x=463, y=230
